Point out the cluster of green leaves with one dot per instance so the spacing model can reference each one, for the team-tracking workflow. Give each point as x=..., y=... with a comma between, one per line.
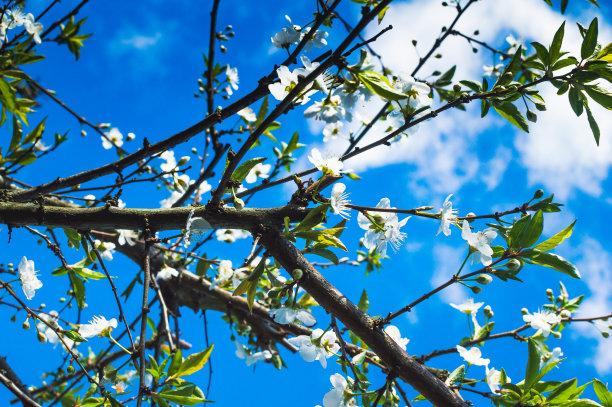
x=70, y=35
x=521, y=238
x=532, y=391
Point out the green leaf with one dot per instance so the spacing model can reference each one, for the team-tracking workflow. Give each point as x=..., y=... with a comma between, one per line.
x=183, y=400
x=175, y=364
x=88, y=273
x=79, y=288
x=17, y=134
x=202, y=267
x=599, y=95
x=606, y=53
x=74, y=335
x=562, y=63
x=533, y=364
x=532, y=232
x=563, y=391
x=603, y=394
x=73, y=237
x=576, y=100
x=325, y=253
x=590, y=40
x=473, y=85
x=8, y=96
x=510, y=70
x=456, y=376
x=380, y=85
x=35, y=134
x=446, y=77
x=516, y=232
x=542, y=53
x=593, y=124
x=364, y=302
x=551, y=260
x=555, y=47
x=194, y=362
x=314, y=217
x=511, y=113
x=555, y=240
x=243, y=169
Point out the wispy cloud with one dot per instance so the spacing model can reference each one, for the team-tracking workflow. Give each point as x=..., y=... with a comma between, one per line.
x=142, y=42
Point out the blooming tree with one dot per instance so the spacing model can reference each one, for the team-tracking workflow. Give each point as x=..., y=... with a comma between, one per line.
x=272, y=294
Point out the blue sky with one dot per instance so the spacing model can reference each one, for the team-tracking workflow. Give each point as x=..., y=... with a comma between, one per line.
x=139, y=73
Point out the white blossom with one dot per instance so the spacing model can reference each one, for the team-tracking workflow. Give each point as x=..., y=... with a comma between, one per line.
x=492, y=70
x=551, y=357
x=166, y=273
x=232, y=79
x=332, y=131
x=514, y=43
x=447, y=216
x=126, y=236
x=33, y=28
x=481, y=242
x=224, y=273
x=260, y=170
x=329, y=166
x=98, y=326
x=247, y=114
x=468, y=306
x=171, y=200
x=29, y=281
x=242, y=353
x=170, y=163
x=337, y=397
x=318, y=39
x=285, y=315
x=231, y=235
x=89, y=199
x=288, y=81
x=473, y=356
x=493, y=379
x=395, y=334
x=318, y=346
x=386, y=231
x=106, y=249
x=113, y=138
x=288, y=36
x=542, y=320
x=330, y=110
x=339, y=200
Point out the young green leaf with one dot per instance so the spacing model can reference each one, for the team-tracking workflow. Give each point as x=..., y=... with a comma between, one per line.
x=195, y=362
x=533, y=364
x=553, y=261
x=603, y=394
x=511, y=113
x=243, y=169
x=555, y=240
x=380, y=85
x=364, y=302
x=555, y=47
x=590, y=40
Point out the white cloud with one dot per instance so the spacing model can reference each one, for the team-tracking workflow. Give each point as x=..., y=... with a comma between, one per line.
x=447, y=260
x=595, y=266
x=142, y=42
x=559, y=153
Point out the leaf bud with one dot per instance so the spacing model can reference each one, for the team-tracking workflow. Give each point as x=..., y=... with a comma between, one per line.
x=14, y=318
x=488, y=312
x=277, y=361
x=444, y=4
x=605, y=334
x=508, y=77
x=456, y=87
x=484, y=279
x=436, y=73
x=538, y=194
x=41, y=337
x=476, y=32
x=297, y=274
x=26, y=325
x=475, y=50
x=531, y=116
x=438, y=56
x=524, y=311
x=476, y=289
x=513, y=264
x=541, y=107
x=414, y=42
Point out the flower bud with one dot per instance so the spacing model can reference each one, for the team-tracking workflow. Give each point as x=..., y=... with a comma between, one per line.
x=557, y=335
x=524, y=311
x=541, y=107
x=476, y=289
x=70, y=369
x=488, y=312
x=26, y=325
x=223, y=49
x=560, y=298
x=565, y=314
x=41, y=337
x=83, y=133
x=238, y=204
x=297, y=274
x=549, y=292
x=456, y=87
x=184, y=160
x=484, y=279
x=538, y=194
x=194, y=150
x=470, y=215
x=531, y=116
x=130, y=136
x=14, y=318
x=43, y=306
x=513, y=264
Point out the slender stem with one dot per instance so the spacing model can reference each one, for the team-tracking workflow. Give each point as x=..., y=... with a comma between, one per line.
x=143, y=323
